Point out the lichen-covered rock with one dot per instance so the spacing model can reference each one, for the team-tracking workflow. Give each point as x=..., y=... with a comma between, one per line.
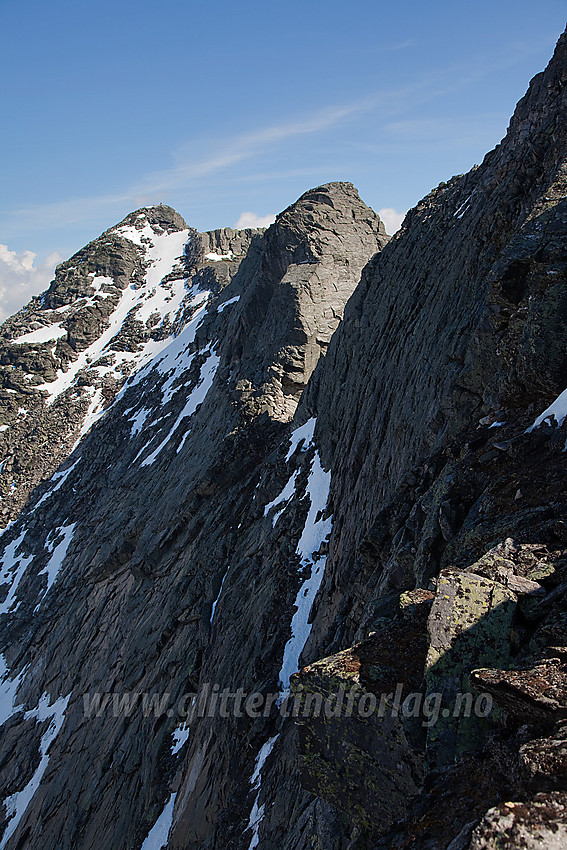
x=536, y=695
x=544, y=761
x=471, y=619
x=541, y=822
x=361, y=743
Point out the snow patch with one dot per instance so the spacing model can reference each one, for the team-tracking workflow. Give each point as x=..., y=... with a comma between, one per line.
x=208, y=370
x=257, y=813
x=45, y=334
x=219, y=594
x=60, y=478
x=315, y=530
x=150, y=298
x=221, y=307
x=58, y=553
x=463, y=208
x=558, y=409
x=164, y=254
x=158, y=835
x=17, y=803
x=13, y=569
x=99, y=281
x=284, y=496
x=305, y=433
x=180, y=736
x=214, y=257
x=8, y=689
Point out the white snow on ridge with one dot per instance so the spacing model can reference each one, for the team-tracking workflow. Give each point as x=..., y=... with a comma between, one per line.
x=8, y=688
x=58, y=553
x=214, y=257
x=314, y=533
x=157, y=836
x=17, y=803
x=221, y=307
x=284, y=496
x=13, y=569
x=65, y=379
x=180, y=735
x=171, y=356
x=60, y=478
x=219, y=594
x=463, y=207
x=150, y=298
x=305, y=433
x=45, y=334
x=98, y=282
x=138, y=421
x=257, y=813
x=558, y=409
x=208, y=370
x=136, y=235
x=166, y=250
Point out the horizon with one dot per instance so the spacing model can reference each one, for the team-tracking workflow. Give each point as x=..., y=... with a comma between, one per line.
x=230, y=122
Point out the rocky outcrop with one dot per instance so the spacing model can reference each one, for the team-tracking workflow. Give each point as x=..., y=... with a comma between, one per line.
x=310, y=268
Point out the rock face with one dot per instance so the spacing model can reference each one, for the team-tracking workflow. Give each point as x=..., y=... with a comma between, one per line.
x=184, y=383
x=215, y=484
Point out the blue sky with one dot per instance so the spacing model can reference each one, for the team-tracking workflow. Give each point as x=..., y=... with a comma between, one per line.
x=241, y=107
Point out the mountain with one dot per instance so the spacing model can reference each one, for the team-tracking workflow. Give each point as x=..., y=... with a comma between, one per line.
x=229, y=457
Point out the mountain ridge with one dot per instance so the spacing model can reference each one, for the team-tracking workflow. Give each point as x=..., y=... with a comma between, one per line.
x=269, y=489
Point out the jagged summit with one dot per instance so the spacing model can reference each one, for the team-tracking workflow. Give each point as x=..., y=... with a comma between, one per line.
x=160, y=215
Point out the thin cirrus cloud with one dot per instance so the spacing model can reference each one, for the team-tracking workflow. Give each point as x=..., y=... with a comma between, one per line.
x=182, y=174
x=188, y=169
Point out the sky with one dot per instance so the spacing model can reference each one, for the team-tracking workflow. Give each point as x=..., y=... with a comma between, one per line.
x=229, y=112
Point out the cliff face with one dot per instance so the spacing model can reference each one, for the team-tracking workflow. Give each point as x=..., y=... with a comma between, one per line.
x=203, y=504
x=184, y=355
x=452, y=345
x=458, y=324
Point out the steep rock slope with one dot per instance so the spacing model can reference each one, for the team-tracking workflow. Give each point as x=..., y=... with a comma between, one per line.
x=454, y=342
x=110, y=309
x=113, y=572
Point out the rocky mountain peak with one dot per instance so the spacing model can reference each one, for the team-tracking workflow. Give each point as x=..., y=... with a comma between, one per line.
x=156, y=215
x=312, y=258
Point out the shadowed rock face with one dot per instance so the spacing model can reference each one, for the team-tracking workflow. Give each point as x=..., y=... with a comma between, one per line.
x=240, y=506
x=460, y=321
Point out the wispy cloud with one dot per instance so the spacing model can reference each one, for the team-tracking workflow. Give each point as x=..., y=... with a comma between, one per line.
x=20, y=278
x=392, y=219
x=250, y=219
x=461, y=128
x=188, y=168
